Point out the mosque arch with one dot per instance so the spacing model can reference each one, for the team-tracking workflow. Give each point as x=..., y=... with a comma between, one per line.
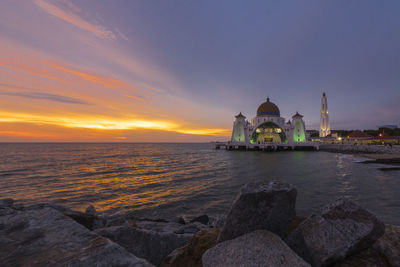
x=268, y=132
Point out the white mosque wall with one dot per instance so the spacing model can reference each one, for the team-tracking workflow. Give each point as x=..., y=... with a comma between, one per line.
x=238, y=132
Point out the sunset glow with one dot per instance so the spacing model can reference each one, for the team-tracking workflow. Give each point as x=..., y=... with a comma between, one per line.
x=131, y=72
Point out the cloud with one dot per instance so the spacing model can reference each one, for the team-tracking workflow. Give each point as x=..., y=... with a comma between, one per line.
x=106, y=123
x=108, y=82
x=53, y=71
x=74, y=19
x=46, y=96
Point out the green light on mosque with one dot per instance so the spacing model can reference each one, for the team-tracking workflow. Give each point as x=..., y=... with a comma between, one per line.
x=299, y=134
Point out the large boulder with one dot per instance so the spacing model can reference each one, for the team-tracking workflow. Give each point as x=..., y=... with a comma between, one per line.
x=385, y=252
x=368, y=257
x=191, y=254
x=201, y=219
x=45, y=237
x=340, y=229
x=259, y=248
x=151, y=245
x=389, y=244
x=268, y=206
x=90, y=210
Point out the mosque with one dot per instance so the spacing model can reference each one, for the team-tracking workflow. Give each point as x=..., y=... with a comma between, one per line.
x=268, y=127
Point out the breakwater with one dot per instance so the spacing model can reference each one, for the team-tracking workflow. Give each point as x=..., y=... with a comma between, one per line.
x=253, y=231
x=360, y=149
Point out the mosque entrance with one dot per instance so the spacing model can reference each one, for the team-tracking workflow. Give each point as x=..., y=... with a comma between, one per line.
x=268, y=132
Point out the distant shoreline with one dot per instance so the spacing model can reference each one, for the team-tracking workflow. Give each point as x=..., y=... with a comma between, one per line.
x=375, y=153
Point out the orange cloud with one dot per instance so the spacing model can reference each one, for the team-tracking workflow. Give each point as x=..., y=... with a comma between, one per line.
x=98, y=79
x=41, y=71
x=29, y=70
x=74, y=19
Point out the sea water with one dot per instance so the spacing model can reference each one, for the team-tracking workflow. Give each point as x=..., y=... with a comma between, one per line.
x=168, y=180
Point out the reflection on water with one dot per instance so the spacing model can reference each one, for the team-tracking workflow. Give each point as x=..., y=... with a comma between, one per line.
x=185, y=179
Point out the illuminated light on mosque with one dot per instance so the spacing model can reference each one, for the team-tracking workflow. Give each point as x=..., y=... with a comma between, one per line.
x=324, y=125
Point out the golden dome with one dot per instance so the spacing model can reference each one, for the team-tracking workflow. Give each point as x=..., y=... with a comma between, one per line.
x=268, y=109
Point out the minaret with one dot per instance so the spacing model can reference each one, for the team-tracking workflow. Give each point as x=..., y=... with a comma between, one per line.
x=324, y=126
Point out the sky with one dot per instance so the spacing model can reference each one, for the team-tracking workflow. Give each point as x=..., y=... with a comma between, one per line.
x=179, y=71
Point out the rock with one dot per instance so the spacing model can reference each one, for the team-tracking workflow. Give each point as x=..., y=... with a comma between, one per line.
x=191, y=228
x=191, y=254
x=161, y=227
x=90, y=210
x=18, y=206
x=45, y=237
x=201, y=219
x=49, y=205
x=6, y=211
x=151, y=245
x=268, y=206
x=82, y=218
x=389, y=244
x=365, y=258
x=179, y=220
x=258, y=248
x=6, y=202
x=217, y=222
x=297, y=220
x=90, y=221
x=341, y=229
x=116, y=220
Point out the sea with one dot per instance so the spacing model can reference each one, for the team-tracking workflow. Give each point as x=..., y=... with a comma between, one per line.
x=166, y=180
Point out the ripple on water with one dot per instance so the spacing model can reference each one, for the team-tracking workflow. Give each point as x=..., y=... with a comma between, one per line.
x=185, y=179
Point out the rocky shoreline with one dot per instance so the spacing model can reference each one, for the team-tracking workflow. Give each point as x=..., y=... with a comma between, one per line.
x=260, y=229
x=361, y=149
x=376, y=154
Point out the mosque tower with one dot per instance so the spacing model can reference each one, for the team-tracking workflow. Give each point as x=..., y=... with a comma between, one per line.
x=324, y=126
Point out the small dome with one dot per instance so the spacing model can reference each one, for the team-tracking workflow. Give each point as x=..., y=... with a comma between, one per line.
x=268, y=109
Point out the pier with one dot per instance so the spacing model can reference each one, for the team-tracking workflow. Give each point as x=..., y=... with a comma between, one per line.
x=267, y=146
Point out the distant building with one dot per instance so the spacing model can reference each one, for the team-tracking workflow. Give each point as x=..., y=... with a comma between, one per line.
x=268, y=127
x=389, y=126
x=358, y=136
x=324, y=126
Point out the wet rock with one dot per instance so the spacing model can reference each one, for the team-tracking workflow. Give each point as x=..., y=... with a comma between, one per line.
x=6, y=202
x=161, y=227
x=259, y=248
x=45, y=237
x=116, y=220
x=218, y=221
x=60, y=208
x=82, y=218
x=191, y=254
x=150, y=245
x=269, y=206
x=179, y=220
x=191, y=228
x=389, y=244
x=6, y=211
x=201, y=219
x=341, y=228
x=90, y=210
x=18, y=206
